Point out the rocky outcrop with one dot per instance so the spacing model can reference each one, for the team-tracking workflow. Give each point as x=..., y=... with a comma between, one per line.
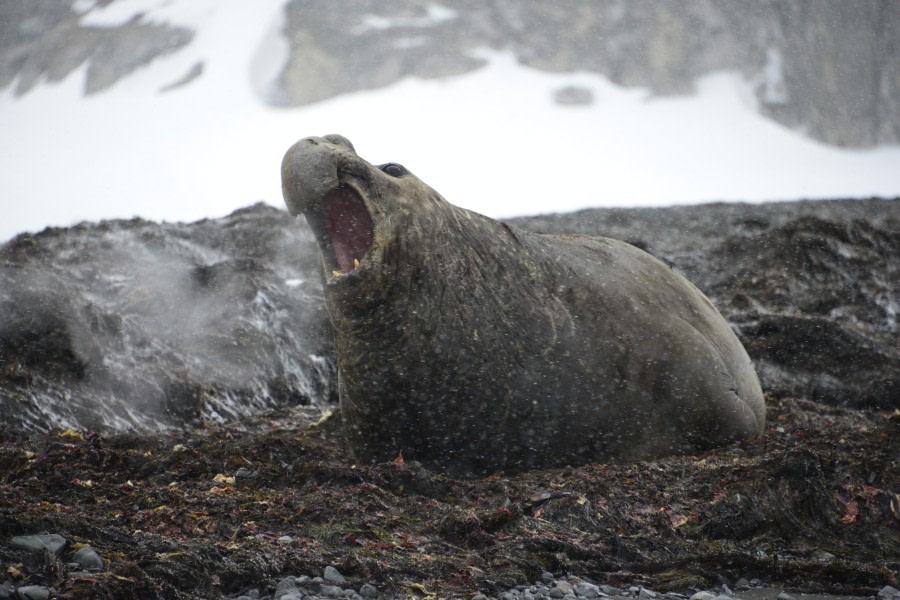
x=44, y=40
x=139, y=325
x=825, y=68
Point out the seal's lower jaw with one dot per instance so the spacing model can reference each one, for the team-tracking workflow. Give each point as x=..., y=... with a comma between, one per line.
x=344, y=229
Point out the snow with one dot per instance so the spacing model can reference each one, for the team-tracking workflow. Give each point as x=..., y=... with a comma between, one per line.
x=492, y=141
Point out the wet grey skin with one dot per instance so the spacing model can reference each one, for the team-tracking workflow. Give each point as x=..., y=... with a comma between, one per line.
x=474, y=347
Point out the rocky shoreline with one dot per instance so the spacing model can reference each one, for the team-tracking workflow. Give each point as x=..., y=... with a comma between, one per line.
x=263, y=498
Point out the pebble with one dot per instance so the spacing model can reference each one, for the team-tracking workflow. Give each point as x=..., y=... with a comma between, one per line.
x=331, y=591
x=333, y=575
x=32, y=592
x=888, y=593
x=611, y=591
x=565, y=588
x=35, y=543
x=287, y=590
x=587, y=590
x=332, y=584
x=88, y=559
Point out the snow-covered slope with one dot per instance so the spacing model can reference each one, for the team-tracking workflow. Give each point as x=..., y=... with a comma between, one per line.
x=493, y=141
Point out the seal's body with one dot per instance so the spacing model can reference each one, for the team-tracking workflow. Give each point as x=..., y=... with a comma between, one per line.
x=472, y=346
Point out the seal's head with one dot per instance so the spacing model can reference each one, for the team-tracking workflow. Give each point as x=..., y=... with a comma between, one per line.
x=356, y=210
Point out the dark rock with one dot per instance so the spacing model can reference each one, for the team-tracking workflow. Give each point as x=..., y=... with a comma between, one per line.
x=129, y=324
x=48, y=44
x=88, y=559
x=573, y=95
x=806, y=65
x=333, y=575
x=54, y=543
x=367, y=590
x=888, y=593
x=331, y=591
x=32, y=592
x=287, y=589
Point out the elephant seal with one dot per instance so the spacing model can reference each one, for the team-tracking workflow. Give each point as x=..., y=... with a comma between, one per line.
x=473, y=347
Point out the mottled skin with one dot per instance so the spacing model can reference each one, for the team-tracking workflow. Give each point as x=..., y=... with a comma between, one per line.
x=473, y=346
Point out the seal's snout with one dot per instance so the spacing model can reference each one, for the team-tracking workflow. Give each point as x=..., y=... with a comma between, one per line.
x=312, y=186
x=310, y=169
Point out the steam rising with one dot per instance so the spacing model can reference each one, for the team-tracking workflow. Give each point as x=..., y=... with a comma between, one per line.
x=131, y=325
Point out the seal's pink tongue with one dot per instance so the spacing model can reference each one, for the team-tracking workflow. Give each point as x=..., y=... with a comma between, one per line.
x=349, y=226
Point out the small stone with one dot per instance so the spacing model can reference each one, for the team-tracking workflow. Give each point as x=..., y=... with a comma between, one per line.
x=333, y=575
x=611, y=591
x=332, y=591
x=888, y=593
x=33, y=592
x=88, y=559
x=587, y=590
x=564, y=587
x=573, y=95
x=546, y=578
x=368, y=591
x=245, y=473
x=507, y=596
x=783, y=596
x=646, y=594
x=286, y=588
x=742, y=584
x=6, y=592
x=479, y=597
x=723, y=597
x=702, y=596
x=35, y=543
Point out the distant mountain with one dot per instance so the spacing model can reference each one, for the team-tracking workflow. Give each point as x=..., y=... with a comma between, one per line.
x=828, y=68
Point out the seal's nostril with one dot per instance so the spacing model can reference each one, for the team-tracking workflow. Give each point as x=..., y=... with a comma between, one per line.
x=340, y=140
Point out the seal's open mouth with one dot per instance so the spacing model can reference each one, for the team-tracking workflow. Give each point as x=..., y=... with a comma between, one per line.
x=348, y=228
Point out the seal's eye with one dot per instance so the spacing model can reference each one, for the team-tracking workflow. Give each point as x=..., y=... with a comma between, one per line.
x=394, y=170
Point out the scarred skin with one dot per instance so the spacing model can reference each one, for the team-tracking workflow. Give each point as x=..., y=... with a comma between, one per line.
x=472, y=346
